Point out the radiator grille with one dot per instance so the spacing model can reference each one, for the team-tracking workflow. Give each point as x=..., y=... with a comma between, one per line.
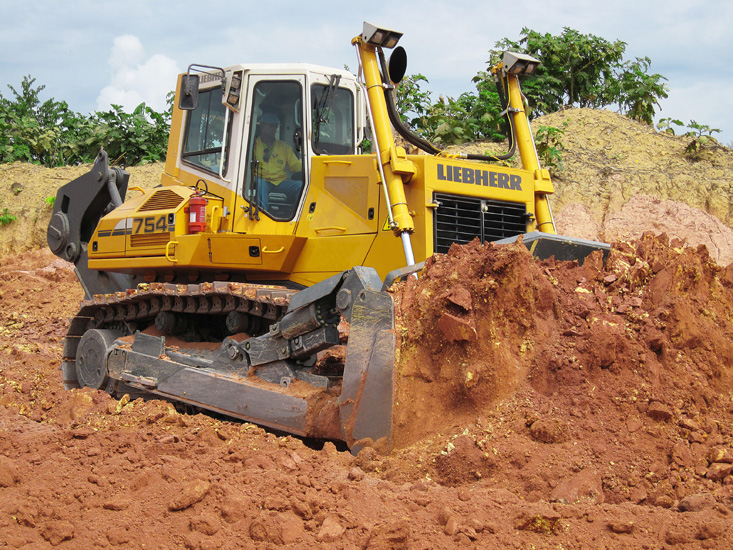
x=149, y=239
x=165, y=199
x=461, y=219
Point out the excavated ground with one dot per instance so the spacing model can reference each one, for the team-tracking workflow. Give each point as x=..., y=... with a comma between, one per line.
x=540, y=404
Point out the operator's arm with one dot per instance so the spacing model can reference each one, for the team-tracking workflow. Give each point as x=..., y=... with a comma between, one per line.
x=293, y=162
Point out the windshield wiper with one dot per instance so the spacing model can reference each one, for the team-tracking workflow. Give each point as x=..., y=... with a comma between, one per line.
x=323, y=110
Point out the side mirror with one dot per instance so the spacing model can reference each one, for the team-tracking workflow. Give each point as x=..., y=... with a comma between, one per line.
x=189, y=92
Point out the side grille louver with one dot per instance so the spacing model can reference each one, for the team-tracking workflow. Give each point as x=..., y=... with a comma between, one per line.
x=164, y=199
x=149, y=240
x=460, y=219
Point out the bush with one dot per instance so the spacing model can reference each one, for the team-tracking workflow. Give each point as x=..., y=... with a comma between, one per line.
x=585, y=70
x=548, y=141
x=51, y=134
x=6, y=218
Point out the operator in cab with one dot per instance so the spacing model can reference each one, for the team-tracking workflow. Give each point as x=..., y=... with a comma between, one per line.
x=277, y=164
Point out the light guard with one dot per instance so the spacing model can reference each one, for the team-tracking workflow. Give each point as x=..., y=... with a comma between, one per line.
x=519, y=63
x=377, y=36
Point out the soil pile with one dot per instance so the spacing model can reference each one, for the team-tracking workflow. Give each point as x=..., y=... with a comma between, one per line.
x=602, y=382
x=622, y=178
x=619, y=178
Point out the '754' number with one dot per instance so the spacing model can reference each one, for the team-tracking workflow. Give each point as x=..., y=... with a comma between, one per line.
x=151, y=224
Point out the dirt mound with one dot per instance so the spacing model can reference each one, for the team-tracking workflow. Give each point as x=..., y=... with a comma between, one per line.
x=603, y=382
x=622, y=178
x=610, y=158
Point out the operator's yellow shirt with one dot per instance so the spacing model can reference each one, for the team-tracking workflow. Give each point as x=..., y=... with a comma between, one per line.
x=277, y=162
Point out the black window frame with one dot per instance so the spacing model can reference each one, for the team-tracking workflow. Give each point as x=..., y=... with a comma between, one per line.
x=332, y=148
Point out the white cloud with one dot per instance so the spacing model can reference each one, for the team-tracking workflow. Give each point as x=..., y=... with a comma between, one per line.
x=126, y=50
x=135, y=78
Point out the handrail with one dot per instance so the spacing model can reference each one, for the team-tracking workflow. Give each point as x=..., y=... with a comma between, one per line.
x=332, y=228
x=167, y=252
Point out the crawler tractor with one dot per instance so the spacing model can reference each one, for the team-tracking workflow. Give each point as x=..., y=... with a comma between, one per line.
x=272, y=239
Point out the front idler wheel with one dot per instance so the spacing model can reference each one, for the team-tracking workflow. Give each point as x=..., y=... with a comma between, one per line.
x=91, y=357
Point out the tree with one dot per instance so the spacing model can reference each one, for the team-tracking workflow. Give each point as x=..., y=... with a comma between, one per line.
x=51, y=134
x=33, y=131
x=447, y=121
x=411, y=101
x=639, y=92
x=584, y=70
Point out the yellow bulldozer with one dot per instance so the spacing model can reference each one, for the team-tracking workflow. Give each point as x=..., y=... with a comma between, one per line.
x=273, y=238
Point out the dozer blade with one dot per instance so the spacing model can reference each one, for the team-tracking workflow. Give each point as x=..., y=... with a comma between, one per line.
x=547, y=245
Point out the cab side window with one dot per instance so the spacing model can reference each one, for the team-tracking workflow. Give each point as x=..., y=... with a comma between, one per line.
x=333, y=120
x=204, y=141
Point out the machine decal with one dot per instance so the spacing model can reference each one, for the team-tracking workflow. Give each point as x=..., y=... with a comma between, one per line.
x=119, y=230
x=149, y=224
x=477, y=176
x=134, y=226
x=209, y=77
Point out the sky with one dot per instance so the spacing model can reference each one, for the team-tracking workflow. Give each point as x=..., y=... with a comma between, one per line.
x=93, y=53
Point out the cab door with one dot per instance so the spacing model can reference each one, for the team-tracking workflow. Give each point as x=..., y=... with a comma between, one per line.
x=274, y=164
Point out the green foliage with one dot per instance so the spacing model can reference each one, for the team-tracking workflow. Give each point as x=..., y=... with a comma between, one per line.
x=485, y=108
x=412, y=102
x=449, y=121
x=701, y=130
x=51, y=201
x=702, y=143
x=548, y=141
x=665, y=125
x=136, y=138
x=637, y=92
x=577, y=70
x=49, y=133
x=365, y=146
x=6, y=218
x=692, y=129
x=439, y=122
x=584, y=70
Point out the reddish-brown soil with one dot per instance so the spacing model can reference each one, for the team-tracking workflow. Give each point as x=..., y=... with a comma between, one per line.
x=538, y=405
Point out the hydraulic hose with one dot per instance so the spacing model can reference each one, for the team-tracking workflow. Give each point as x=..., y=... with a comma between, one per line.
x=394, y=116
x=510, y=133
x=425, y=145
